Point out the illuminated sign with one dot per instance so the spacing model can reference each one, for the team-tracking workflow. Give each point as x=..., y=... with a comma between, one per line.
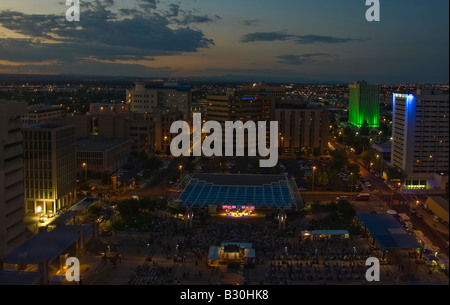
x=233, y=207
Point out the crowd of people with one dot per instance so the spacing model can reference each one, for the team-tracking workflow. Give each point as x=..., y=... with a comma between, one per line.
x=292, y=258
x=289, y=273
x=152, y=274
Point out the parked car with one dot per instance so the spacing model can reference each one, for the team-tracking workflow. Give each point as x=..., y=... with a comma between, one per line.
x=341, y=198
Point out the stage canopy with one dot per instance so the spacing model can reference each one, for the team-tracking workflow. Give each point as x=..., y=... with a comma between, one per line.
x=261, y=191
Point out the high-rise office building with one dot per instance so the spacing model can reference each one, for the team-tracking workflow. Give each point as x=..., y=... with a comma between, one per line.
x=364, y=105
x=12, y=212
x=302, y=127
x=237, y=107
x=50, y=165
x=154, y=97
x=163, y=120
x=420, y=144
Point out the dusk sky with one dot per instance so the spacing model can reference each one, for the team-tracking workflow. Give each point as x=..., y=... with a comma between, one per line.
x=296, y=40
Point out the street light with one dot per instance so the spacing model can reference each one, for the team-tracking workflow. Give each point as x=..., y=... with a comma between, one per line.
x=85, y=170
x=181, y=172
x=381, y=164
x=314, y=169
x=351, y=187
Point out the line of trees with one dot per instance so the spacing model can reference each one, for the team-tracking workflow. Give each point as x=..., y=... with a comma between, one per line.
x=136, y=214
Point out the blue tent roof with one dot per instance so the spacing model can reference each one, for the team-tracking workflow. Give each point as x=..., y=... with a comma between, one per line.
x=46, y=245
x=388, y=232
x=329, y=232
x=10, y=277
x=254, y=190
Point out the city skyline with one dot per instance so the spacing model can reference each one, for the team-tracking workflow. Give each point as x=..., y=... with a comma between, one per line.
x=294, y=41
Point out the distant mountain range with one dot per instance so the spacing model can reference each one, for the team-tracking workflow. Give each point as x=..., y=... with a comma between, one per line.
x=226, y=78
x=229, y=78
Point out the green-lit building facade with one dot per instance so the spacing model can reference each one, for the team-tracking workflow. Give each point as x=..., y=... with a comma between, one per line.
x=364, y=105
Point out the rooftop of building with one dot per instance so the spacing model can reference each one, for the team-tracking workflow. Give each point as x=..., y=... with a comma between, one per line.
x=441, y=202
x=262, y=191
x=4, y=102
x=45, y=126
x=241, y=179
x=176, y=87
x=43, y=108
x=99, y=144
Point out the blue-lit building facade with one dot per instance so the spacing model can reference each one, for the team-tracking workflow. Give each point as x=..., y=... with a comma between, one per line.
x=420, y=138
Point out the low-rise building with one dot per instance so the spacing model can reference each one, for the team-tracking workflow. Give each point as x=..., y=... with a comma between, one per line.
x=99, y=154
x=41, y=113
x=439, y=207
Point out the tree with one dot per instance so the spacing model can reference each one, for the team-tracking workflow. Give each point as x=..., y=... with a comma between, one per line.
x=105, y=178
x=394, y=173
x=135, y=214
x=364, y=130
x=385, y=130
x=361, y=144
x=152, y=164
x=339, y=159
x=354, y=170
x=143, y=156
x=367, y=157
x=321, y=178
x=348, y=132
x=94, y=210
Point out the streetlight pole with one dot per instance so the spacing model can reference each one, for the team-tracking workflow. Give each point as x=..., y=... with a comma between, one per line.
x=381, y=165
x=314, y=169
x=181, y=172
x=351, y=187
x=85, y=170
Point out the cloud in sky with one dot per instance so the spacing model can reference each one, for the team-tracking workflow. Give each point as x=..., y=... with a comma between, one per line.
x=290, y=59
x=266, y=36
x=300, y=39
x=311, y=38
x=103, y=33
x=250, y=22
